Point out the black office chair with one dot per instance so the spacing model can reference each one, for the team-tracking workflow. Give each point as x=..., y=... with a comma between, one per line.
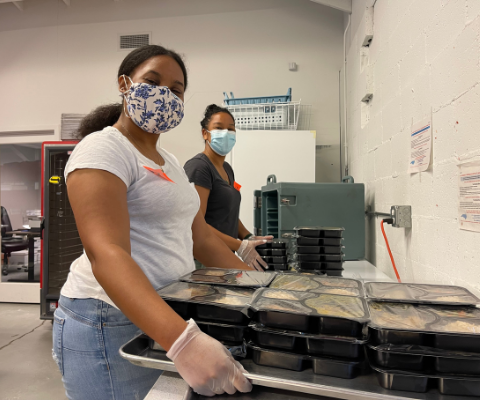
x=10, y=244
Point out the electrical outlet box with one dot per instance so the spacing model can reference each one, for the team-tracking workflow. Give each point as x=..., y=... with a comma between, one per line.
x=402, y=216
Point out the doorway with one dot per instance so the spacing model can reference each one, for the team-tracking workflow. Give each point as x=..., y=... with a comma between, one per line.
x=20, y=196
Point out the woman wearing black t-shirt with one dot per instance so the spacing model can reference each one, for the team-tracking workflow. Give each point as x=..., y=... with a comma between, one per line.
x=215, y=183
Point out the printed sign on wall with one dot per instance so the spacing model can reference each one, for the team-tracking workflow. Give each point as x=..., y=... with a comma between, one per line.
x=420, y=146
x=469, y=196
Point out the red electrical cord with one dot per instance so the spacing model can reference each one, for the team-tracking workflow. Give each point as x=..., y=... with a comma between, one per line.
x=389, y=251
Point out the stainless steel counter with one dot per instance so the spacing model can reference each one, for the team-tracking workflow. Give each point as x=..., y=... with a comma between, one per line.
x=278, y=384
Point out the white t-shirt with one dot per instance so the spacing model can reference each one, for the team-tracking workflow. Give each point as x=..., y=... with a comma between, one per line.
x=161, y=212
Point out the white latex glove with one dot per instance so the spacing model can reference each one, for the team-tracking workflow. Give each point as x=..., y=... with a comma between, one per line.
x=206, y=365
x=249, y=255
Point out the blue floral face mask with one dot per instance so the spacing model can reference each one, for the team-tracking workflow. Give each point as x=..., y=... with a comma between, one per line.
x=154, y=109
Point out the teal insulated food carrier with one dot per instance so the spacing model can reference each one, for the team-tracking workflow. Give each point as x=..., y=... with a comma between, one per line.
x=280, y=207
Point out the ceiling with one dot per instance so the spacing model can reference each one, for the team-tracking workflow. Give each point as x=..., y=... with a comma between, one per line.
x=25, y=14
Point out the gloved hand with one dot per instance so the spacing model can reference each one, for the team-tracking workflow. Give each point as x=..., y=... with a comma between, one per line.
x=249, y=255
x=206, y=365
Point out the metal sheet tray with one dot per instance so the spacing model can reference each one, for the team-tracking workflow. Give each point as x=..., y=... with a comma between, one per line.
x=364, y=387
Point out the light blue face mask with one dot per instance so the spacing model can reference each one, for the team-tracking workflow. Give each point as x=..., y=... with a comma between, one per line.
x=222, y=141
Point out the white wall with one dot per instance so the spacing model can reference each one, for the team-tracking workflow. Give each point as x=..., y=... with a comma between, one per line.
x=424, y=56
x=68, y=62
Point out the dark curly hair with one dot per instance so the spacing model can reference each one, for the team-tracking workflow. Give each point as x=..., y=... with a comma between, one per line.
x=108, y=115
x=210, y=111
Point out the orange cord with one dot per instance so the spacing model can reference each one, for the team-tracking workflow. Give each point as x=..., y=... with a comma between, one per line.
x=389, y=251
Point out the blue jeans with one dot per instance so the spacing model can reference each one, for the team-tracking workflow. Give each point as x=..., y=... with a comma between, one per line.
x=87, y=335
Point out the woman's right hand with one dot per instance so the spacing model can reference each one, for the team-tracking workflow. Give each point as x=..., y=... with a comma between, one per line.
x=206, y=365
x=249, y=254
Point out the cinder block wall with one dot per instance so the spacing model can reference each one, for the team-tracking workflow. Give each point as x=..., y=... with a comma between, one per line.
x=424, y=58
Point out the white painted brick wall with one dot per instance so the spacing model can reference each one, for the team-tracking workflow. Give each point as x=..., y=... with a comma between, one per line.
x=424, y=60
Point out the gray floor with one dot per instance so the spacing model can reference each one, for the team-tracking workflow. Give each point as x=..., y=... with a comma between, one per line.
x=17, y=272
x=27, y=370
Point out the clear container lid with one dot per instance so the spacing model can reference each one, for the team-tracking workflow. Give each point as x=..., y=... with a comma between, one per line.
x=207, y=294
x=316, y=284
x=230, y=277
x=307, y=303
x=420, y=293
x=425, y=318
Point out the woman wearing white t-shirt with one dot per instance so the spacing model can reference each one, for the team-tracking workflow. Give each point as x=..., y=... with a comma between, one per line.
x=140, y=225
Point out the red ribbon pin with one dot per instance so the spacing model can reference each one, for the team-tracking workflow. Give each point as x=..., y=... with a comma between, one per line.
x=237, y=186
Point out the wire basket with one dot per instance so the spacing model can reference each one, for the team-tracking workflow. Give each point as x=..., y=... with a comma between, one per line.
x=268, y=116
x=232, y=101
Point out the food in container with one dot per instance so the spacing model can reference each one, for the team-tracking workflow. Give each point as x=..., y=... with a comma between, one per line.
x=312, y=313
x=402, y=323
x=317, y=284
x=420, y=293
x=207, y=302
x=230, y=277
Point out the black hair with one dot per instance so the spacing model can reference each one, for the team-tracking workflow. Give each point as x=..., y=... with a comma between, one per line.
x=210, y=111
x=108, y=115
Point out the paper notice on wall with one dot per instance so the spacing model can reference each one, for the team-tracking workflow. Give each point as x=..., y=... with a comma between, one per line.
x=469, y=196
x=420, y=146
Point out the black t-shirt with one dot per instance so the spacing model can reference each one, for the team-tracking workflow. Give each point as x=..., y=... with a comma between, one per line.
x=223, y=207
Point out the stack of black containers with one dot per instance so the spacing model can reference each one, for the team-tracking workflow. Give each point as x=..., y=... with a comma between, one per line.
x=318, y=249
x=274, y=253
x=424, y=337
x=310, y=326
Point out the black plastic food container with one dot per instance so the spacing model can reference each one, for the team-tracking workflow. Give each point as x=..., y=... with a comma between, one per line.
x=276, y=341
x=459, y=387
x=277, y=359
x=307, y=265
x=391, y=360
x=209, y=312
x=185, y=310
x=333, y=272
x=308, y=241
x=334, y=348
x=345, y=369
x=230, y=333
x=272, y=252
x=397, y=381
x=469, y=343
x=275, y=259
x=275, y=319
x=319, y=232
x=383, y=336
x=340, y=327
x=278, y=267
x=459, y=366
x=320, y=257
x=315, y=345
x=319, y=249
x=274, y=244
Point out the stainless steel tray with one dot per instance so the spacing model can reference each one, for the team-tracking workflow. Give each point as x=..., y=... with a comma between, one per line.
x=365, y=387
